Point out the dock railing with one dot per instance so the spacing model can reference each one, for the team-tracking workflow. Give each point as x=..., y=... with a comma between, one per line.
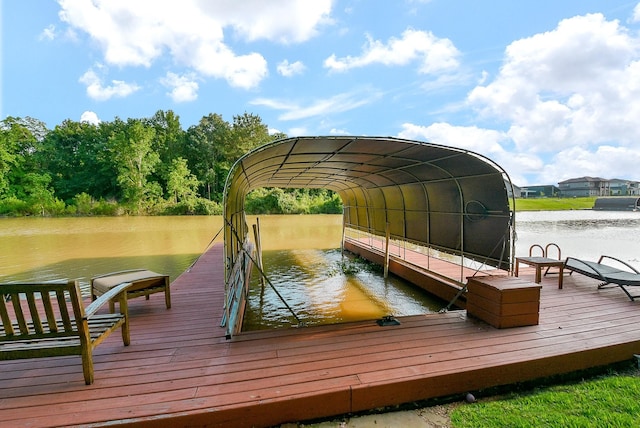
x=430, y=258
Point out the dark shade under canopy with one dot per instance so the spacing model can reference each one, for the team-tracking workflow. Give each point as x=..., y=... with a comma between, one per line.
x=446, y=198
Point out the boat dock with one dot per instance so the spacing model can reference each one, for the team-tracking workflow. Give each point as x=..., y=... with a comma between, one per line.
x=181, y=371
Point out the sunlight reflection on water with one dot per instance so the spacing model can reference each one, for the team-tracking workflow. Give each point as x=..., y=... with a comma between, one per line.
x=314, y=285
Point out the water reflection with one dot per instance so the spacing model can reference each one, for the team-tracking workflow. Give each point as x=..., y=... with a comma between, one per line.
x=302, y=261
x=315, y=286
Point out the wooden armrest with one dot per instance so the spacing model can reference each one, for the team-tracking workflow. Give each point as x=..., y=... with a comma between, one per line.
x=115, y=291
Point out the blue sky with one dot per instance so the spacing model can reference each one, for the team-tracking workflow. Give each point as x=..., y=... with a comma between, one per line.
x=549, y=90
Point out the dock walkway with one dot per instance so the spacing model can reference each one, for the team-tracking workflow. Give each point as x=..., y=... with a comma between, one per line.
x=181, y=371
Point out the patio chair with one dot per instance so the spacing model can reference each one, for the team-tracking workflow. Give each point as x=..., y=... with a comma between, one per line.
x=143, y=283
x=609, y=275
x=49, y=319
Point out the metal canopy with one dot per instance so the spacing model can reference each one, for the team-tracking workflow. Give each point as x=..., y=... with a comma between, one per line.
x=450, y=199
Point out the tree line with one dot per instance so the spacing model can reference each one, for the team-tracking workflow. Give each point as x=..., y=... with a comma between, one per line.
x=148, y=166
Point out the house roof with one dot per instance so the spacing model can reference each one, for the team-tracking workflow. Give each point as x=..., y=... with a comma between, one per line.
x=581, y=180
x=443, y=197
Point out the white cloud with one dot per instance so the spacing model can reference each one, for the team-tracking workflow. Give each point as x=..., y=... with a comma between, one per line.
x=336, y=131
x=484, y=76
x=487, y=142
x=435, y=55
x=274, y=104
x=283, y=21
x=183, y=88
x=98, y=91
x=443, y=82
x=605, y=161
x=298, y=131
x=479, y=140
x=245, y=71
x=287, y=69
x=576, y=85
x=320, y=107
x=48, y=33
x=90, y=117
x=636, y=14
x=193, y=32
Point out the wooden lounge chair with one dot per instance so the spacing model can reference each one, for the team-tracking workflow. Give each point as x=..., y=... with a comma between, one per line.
x=605, y=273
x=142, y=283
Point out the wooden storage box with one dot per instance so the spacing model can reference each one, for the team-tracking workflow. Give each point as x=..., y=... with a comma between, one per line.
x=503, y=301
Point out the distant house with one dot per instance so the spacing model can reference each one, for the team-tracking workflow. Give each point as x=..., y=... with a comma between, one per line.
x=517, y=191
x=620, y=187
x=540, y=191
x=596, y=186
x=584, y=186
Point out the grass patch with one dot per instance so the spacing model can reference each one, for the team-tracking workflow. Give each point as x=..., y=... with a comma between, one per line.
x=555, y=204
x=610, y=401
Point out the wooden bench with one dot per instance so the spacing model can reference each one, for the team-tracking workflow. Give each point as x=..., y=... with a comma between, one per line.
x=49, y=320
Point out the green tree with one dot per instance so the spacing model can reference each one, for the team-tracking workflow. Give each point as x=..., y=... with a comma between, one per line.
x=205, y=154
x=37, y=128
x=131, y=146
x=40, y=197
x=140, y=166
x=248, y=133
x=182, y=185
x=8, y=157
x=169, y=142
x=83, y=203
x=214, y=146
x=19, y=142
x=75, y=156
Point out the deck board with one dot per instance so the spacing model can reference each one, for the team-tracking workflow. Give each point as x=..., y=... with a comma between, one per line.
x=181, y=371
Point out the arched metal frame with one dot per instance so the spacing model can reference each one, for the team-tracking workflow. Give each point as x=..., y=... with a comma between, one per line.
x=446, y=198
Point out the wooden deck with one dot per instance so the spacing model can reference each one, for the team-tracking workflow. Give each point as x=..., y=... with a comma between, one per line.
x=181, y=371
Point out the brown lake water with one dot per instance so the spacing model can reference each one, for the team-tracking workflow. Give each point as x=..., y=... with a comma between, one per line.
x=300, y=254
x=79, y=248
